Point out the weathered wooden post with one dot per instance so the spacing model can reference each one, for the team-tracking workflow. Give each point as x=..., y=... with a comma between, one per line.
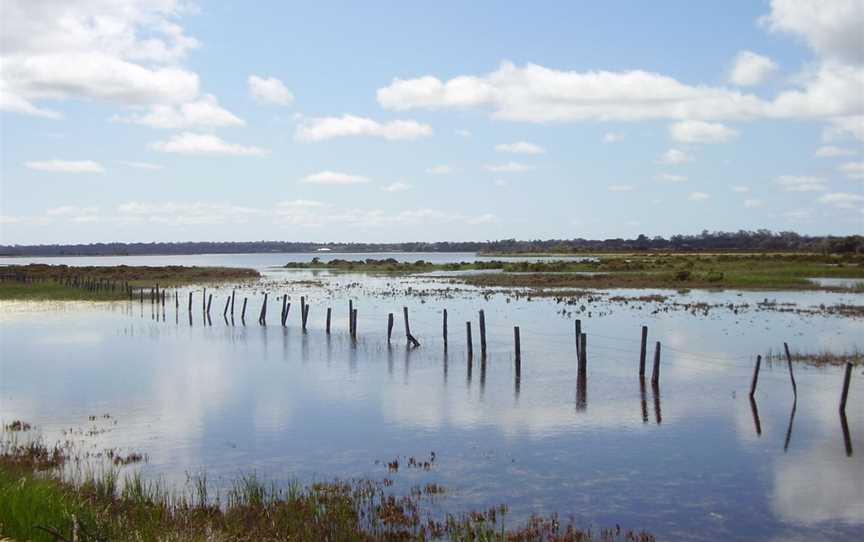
x=655, y=375
x=204, y=301
x=305, y=316
x=225, y=310
x=351, y=317
x=232, y=304
x=791, y=375
x=243, y=311
x=410, y=338
x=578, y=326
x=262, y=317
x=582, y=370
x=517, y=345
x=354, y=325
x=755, y=376
x=328, y=321
x=284, y=314
x=642, y=350
x=445, y=330
x=303, y=312
x=190, y=302
x=470, y=342
x=482, y=334
x=846, y=379
x=209, y=301
x=389, y=326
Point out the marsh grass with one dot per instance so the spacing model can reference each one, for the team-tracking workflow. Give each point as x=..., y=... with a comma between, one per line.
x=817, y=358
x=38, y=497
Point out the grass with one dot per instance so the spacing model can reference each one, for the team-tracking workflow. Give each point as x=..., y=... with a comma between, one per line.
x=818, y=358
x=37, y=499
x=51, y=282
x=739, y=271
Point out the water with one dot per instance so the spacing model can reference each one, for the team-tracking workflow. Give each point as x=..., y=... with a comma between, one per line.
x=684, y=463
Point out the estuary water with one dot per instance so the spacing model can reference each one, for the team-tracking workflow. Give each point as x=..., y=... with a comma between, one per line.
x=692, y=459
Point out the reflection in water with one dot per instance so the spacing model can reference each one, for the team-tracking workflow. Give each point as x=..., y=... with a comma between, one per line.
x=581, y=392
x=789, y=429
x=655, y=392
x=445, y=366
x=847, y=439
x=643, y=400
x=755, y=410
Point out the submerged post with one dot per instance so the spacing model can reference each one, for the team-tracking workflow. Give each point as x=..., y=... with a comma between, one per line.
x=305, y=316
x=232, y=304
x=642, y=349
x=284, y=313
x=354, y=325
x=482, y=334
x=791, y=375
x=445, y=330
x=225, y=311
x=190, y=302
x=582, y=370
x=262, y=318
x=243, y=311
x=578, y=327
x=518, y=350
x=410, y=338
x=303, y=312
x=755, y=376
x=328, y=321
x=389, y=326
x=846, y=378
x=209, y=301
x=470, y=342
x=655, y=375
x=351, y=317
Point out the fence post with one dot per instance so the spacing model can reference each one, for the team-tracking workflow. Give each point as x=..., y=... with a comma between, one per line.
x=791, y=375
x=642, y=350
x=482, y=334
x=518, y=348
x=846, y=378
x=755, y=376
x=655, y=375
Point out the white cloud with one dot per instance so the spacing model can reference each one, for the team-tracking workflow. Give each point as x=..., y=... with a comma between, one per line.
x=269, y=90
x=509, y=167
x=398, y=186
x=697, y=131
x=204, y=112
x=740, y=189
x=143, y=165
x=520, y=147
x=319, y=129
x=124, y=52
x=853, y=170
x=66, y=166
x=487, y=218
x=843, y=200
x=674, y=157
x=71, y=210
x=751, y=68
x=612, y=137
x=440, y=169
x=184, y=214
x=698, y=196
x=190, y=143
x=832, y=28
x=801, y=183
x=830, y=151
x=752, y=203
x=798, y=215
x=669, y=177
x=621, y=187
x=334, y=177
x=852, y=125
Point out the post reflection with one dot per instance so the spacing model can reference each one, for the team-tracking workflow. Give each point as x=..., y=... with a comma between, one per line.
x=445, y=367
x=643, y=400
x=581, y=393
x=655, y=392
x=755, y=411
x=847, y=438
x=789, y=429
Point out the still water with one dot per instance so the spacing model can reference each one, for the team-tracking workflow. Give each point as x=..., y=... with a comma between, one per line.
x=688, y=461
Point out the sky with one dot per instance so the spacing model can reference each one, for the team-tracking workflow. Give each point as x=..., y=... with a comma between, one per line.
x=167, y=120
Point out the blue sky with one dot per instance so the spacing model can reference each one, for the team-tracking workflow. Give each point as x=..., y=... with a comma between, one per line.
x=132, y=120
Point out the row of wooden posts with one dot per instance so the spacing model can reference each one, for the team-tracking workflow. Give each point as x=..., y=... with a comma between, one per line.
x=158, y=296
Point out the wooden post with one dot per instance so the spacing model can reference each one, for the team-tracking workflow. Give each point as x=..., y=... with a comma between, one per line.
x=354, y=324
x=642, y=349
x=410, y=338
x=655, y=375
x=470, y=342
x=284, y=313
x=204, y=301
x=582, y=371
x=303, y=312
x=225, y=311
x=232, y=304
x=243, y=312
x=482, y=334
x=791, y=375
x=207, y=310
x=846, y=378
x=351, y=317
x=445, y=330
x=262, y=317
x=190, y=302
x=755, y=376
x=389, y=326
x=305, y=316
x=578, y=325
x=518, y=348
x=328, y=321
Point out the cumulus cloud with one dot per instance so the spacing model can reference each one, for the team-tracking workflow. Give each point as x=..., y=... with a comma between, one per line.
x=441, y=169
x=801, y=183
x=319, y=129
x=842, y=200
x=269, y=90
x=509, y=167
x=853, y=170
x=66, y=166
x=751, y=68
x=334, y=177
x=830, y=151
x=520, y=147
x=832, y=28
x=674, y=157
x=182, y=214
x=191, y=144
x=398, y=186
x=698, y=196
x=204, y=112
x=696, y=131
x=124, y=52
x=143, y=165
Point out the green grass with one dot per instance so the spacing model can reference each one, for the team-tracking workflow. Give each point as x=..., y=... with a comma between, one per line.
x=102, y=505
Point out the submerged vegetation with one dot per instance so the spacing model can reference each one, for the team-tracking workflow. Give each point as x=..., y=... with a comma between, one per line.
x=818, y=358
x=672, y=270
x=40, y=500
x=68, y=283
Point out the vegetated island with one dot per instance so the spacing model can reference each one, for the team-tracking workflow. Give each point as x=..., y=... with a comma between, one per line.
x=637, y=270
x=104, y=283
x=40, y=501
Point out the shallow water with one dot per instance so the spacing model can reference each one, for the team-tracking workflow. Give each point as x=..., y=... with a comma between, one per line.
x=684, y=462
